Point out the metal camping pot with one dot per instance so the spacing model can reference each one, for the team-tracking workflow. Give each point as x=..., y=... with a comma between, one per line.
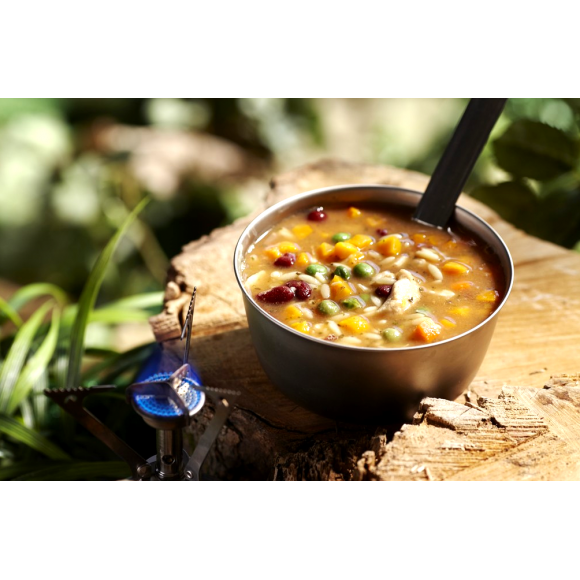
x=359, y=384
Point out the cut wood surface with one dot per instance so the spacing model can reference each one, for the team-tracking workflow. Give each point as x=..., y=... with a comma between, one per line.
x=269, y=436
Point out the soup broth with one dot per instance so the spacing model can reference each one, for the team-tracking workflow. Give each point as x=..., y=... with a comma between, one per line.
x=366, y=276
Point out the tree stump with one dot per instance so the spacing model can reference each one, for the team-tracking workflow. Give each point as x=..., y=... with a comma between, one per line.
x=504, y=427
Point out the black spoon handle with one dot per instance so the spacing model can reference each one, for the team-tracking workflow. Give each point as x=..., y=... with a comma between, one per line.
x=459, y=157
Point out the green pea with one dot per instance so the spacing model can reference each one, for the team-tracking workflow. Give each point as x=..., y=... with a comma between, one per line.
x=314, y=269
x=341, y=237
x=343, y=272
x=352, y=303
x=366, y=297
x=392, y=334
x=363, y=270
x=329, y=307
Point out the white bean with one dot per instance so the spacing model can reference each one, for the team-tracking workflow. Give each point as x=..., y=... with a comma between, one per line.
x=385, y=280
x=289, y=276
x=400, y=261
x=286, y=233
x=325, y=291
x=388, y=261
x=428, y=255
x=435, y=272
x=320, y=277
x=309, y=279
x=372, y=335
x=350, y=340
x=334, y=328
x=255, y=278
x=376, y=300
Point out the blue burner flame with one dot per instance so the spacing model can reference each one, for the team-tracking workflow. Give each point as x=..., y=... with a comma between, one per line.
x=159, y=367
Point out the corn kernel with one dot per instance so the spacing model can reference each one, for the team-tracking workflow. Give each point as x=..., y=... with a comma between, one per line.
x=488, y=296
x=293, y=312
x=374, y=222
x=427, y=330
x=344, y=249
x=361, y=241
x=436, y=239
x=419, y=238
x=455, y=268
x=301, y=231
x=325, y=251
x=461, y=286
x=340, y=289
x=273, y=253
x=353, y=212
x=389, y=246
x=303, y=260
x=356, y=324
x=459, y=311
x=302, y=327
x=288, y=247
x=354, y=259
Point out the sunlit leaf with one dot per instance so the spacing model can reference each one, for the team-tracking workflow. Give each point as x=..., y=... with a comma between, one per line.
x=514, y=201
x=36, y=366
x=18, y=352
x=88, y=298
x=24, y=295
x=535, y=150
x=30, y=438
x=8, y=312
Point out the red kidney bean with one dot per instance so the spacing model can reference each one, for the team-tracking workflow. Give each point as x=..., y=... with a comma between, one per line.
x=285, y=260
x=382, y=232
x=277, y=295
x=302, y=289
x=317, y=215
x=384, y=290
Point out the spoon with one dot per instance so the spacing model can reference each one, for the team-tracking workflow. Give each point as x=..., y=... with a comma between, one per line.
x=438, y=202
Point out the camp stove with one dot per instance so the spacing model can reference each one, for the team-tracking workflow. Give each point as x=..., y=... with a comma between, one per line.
x=167, y=399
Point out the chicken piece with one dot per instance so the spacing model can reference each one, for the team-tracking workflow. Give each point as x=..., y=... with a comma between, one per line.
x=405, y=293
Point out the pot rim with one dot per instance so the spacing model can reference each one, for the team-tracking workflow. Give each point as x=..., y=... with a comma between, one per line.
x=238, y=257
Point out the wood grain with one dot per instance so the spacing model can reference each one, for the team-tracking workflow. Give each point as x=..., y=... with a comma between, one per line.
x=535, y=337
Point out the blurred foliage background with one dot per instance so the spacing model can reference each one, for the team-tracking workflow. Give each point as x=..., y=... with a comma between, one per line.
x=73, y=170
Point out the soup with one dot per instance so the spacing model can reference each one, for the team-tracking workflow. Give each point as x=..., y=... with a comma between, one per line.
x=365, y=276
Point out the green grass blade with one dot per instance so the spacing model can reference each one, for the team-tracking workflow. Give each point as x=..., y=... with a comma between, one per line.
x=78, y=471
x=22, y=467
x=117, y=363
x=8, y=312
x=32, y=291
x=18, y=352
x=19, y=432
x=35, y=366
x=88, y=298
x=146, y=301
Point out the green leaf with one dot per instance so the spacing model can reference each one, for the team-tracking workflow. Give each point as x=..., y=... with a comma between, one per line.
x=148, y=300
x=18, y=352
x=36, y=366
x=88, y=298
x=116, y=364
x=535, y=150
x=514, y=201
x=77, y=471
x=32, y=291
x=19, y=432
x=8, y=312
